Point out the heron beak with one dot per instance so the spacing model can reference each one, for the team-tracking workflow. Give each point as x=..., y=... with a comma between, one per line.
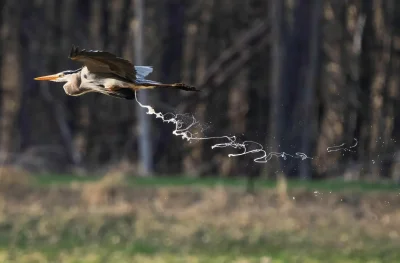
x=48, y=77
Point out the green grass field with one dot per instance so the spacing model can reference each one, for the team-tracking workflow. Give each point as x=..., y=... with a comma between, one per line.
x=60, y=218
x=327, y=185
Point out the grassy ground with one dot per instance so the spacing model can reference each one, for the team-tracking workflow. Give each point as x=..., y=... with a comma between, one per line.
x=327, y=185
x=67, y=219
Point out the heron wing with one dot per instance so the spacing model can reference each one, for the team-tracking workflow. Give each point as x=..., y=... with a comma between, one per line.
x=104, y=62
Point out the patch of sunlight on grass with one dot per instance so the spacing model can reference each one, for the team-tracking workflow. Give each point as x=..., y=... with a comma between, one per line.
x=102, y=255
x=83, y=256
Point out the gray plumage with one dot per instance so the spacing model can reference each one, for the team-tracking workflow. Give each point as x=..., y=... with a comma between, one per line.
x=108, y=74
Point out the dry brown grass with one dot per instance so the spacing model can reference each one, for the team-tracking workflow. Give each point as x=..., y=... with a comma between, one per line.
x=282, y=188
x=14, y=177
x=216, y=218
x=105, y=190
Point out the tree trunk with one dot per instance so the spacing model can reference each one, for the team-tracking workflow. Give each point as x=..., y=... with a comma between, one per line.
x=309, y=131
x=144, y=124
x=382, y=68
x=332, y=114
x=352, y=45
x=11, y=78
x=296, y=56
x=171, y=27
x=192, y=160
x=276, y=119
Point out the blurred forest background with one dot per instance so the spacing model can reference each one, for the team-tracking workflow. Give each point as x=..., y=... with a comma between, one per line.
x=295, y=76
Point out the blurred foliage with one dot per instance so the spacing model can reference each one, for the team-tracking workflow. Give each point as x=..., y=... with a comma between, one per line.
x=297, y=76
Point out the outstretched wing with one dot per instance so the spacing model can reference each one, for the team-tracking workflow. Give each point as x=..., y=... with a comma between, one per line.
x=104, y=62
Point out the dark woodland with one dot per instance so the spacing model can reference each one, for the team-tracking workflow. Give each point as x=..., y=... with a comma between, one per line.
x=294, y=76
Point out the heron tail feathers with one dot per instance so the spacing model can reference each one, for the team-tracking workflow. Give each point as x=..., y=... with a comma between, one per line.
x=180, y=86
x=150, y=84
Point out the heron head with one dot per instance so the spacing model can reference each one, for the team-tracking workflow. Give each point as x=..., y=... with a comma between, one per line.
x=63, y=76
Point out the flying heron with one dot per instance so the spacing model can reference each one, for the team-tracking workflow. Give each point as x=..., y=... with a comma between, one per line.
x=108, y=74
